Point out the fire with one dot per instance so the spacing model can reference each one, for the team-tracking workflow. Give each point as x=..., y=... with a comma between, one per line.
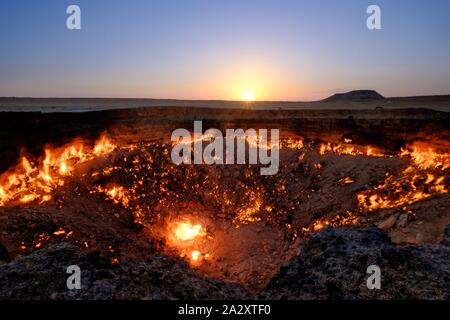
x=347, y=180
x=292, y=143
x=425, y=156
x=318, y=225
x=59, y=232
x=103, y=146
x=195, y=255
x=34, y=180
x=135, y=181
x=340, y=220
x=422, y=179
x=186, y=231
x=115, y=193
x=188, y=238
x=411, y=186
x=348, y=149
x=248, y=213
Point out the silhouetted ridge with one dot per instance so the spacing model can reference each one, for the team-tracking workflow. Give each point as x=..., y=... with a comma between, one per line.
x=356, y=95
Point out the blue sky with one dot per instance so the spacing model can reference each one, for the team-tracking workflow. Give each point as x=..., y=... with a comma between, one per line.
x=217, y=49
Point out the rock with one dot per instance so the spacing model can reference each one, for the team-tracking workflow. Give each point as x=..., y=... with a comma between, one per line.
x=402, y=220
x=412, y=239
x=388, y=223
x=4, y=256
x=356, y=95
x=42, y=275
x=332, y=264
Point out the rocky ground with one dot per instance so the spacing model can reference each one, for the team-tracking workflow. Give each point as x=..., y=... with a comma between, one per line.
x=330, y=265
x=267, y=235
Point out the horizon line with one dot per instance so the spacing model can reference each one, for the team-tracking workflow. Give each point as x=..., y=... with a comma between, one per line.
x=217, y=100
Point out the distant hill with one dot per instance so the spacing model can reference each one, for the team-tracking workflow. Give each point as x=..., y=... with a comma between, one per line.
x=356, y=95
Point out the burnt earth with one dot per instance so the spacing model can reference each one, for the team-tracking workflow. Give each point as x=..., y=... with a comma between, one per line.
x=331, y=265
x=42, y=275
x=268, y=259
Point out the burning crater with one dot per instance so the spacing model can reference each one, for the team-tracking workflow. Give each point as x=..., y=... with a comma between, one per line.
x=128, y=201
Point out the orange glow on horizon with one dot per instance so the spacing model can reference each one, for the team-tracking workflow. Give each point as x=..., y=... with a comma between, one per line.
x=248, y=95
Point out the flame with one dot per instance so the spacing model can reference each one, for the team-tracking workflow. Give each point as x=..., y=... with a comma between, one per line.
x=248, y=212
x=395, y=191
x=425, y=156
x=422, y=179
x=348, y=149
x=340, y=220
x=35, y=180
x=59, y=232
x=103, y=146
x=186, y=231
x=187, y=238
x=195, y=255
x=318, y=225
x=293, y=143
x=347, y=180
x=115, y=193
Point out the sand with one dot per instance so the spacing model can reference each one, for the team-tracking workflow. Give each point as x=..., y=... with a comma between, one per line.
x=439, y=103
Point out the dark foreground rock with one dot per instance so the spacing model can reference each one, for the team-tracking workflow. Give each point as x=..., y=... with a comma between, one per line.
x=332, y=264
x=42, y=275
x=4, y=256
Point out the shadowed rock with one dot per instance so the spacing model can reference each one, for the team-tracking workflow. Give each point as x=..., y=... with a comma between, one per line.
x=332, y=264
x=42, y=275
x=356, y=95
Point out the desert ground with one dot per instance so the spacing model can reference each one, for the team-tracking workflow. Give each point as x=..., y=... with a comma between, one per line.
x=346, y=102
x=90, y=182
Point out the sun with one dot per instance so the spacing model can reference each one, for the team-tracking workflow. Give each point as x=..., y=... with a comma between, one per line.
x=248, y=95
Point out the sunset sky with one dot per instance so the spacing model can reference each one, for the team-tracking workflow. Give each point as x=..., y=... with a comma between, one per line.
x=189, y=49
